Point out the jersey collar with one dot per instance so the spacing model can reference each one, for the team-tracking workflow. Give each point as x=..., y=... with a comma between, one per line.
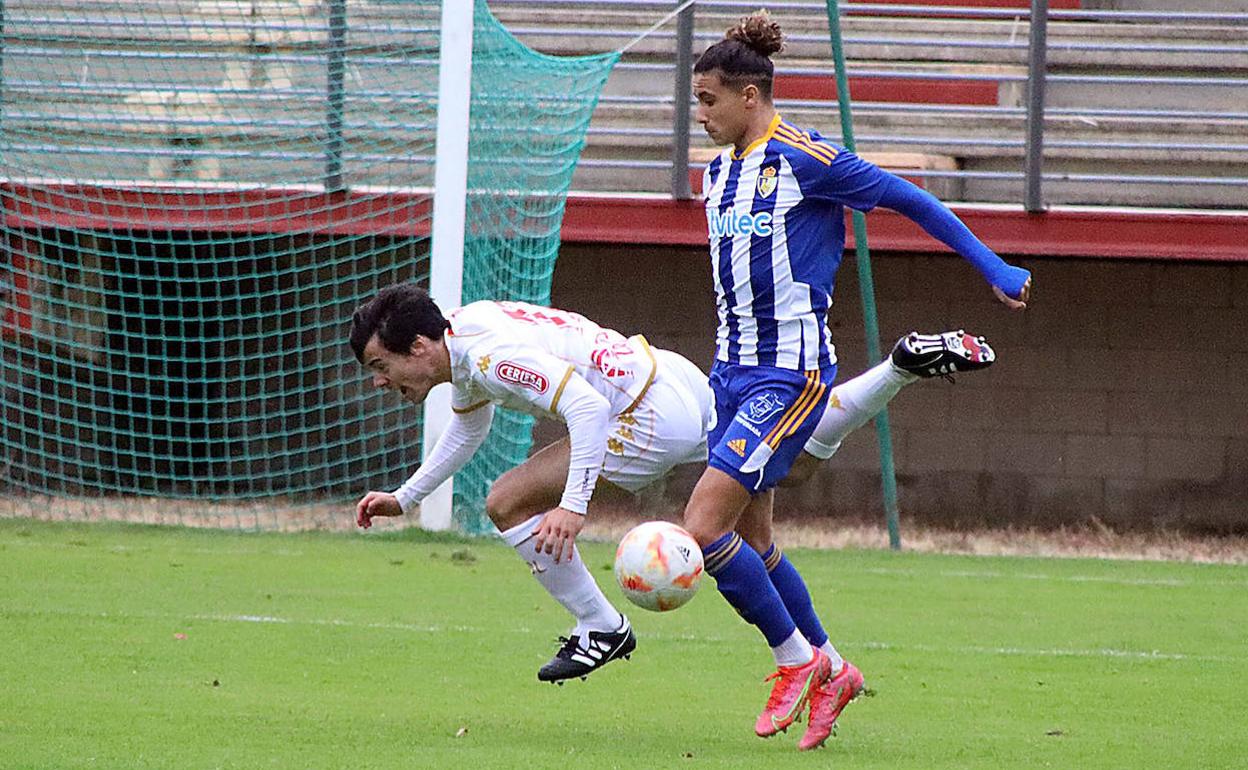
x=771, y=130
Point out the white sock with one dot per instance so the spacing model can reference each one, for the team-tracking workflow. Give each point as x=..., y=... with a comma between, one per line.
x=794, y=651
x=837, y=661
x=853, y=403
x=569, y=582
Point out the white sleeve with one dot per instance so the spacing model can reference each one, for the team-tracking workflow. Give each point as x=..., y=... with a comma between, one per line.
x=587, y=414
x=464, y=434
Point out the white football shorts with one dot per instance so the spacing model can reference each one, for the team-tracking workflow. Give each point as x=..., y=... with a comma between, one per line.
x=667, y=427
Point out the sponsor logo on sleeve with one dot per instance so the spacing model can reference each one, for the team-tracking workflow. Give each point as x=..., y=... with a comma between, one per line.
x=516, y=374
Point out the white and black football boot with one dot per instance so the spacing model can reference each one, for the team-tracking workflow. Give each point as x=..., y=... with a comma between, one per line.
x=602, y=647
x=942, y=355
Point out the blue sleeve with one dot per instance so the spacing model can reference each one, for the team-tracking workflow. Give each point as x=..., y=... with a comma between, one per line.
x=942, y=224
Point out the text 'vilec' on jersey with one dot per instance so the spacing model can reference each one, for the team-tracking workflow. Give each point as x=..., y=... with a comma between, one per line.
x=777, y=231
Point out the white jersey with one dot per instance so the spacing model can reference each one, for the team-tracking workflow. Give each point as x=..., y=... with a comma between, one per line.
x=632, y=412
x=521, y=356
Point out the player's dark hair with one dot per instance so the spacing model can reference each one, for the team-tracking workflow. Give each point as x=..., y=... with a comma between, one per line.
x=743, y=57
x=397, y=315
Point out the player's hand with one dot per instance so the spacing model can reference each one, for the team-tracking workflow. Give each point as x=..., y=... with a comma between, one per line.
x=375, y=504
x=557, y=532
x=1014, y=304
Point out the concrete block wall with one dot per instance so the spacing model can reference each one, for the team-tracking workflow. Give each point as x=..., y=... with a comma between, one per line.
x=1120, y=397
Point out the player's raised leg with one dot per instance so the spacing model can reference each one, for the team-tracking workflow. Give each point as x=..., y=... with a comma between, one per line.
x=516, y=503
x=856, y=401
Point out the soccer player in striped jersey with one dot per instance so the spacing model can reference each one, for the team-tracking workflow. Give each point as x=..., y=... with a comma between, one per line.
x=775, y=219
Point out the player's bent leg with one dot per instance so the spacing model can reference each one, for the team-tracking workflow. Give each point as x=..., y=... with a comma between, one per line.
x=516, y=502
x=742, y=579
x=855, y=402
x=532, y=487
x=803, y=468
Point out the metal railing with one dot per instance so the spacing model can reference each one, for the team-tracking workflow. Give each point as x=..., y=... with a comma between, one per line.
x=1071, y=122
x=1176, y=157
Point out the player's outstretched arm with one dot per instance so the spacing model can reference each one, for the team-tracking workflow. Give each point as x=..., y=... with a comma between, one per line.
x=1011, y=285
x=464, y=434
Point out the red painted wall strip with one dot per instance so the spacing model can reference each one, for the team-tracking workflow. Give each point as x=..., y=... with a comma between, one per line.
x=657, y=220
x=910, y=90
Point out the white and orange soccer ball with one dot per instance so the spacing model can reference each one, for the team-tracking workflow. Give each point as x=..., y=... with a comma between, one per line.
x=658, y=566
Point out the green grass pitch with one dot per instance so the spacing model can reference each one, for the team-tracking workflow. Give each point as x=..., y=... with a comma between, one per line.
x=134, y=647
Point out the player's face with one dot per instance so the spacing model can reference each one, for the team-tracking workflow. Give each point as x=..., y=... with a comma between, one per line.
x=412, y=374
x=722, y=111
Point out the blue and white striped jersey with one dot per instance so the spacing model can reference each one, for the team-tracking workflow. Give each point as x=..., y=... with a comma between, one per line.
x=777, y=231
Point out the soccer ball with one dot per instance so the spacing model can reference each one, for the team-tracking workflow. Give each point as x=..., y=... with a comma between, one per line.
x=658, y=566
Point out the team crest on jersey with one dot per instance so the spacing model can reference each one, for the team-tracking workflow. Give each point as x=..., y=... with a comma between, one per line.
x=762, y=407
x=767, y=181
x=519, y=375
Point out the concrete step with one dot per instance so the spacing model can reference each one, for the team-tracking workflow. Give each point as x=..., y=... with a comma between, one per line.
x=940, y=131
x=1071, y=43
x=964, y=83
x=1194, y=6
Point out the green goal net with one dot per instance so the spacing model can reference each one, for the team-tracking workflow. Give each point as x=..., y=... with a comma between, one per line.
x=196, y=196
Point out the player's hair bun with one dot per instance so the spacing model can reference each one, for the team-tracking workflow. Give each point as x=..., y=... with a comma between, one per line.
x=759, y=33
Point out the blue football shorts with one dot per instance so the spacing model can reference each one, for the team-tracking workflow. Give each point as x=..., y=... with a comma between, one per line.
x=763, y=417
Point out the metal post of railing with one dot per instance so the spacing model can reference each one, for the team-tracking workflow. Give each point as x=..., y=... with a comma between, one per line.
x=866, y=283
x=1037, y=70
x=684, y=90
x=335, y=71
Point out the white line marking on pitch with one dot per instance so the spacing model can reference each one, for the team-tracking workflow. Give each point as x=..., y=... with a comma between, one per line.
x=887, y=646
x=1164, y=582
x=1106, y=652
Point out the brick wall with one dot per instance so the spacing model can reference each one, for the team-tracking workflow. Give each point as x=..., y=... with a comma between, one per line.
x=1119, y=397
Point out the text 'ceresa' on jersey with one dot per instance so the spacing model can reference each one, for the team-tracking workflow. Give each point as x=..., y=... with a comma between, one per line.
x=728, y=224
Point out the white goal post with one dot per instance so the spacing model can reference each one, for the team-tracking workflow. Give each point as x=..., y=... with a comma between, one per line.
x=446, y=263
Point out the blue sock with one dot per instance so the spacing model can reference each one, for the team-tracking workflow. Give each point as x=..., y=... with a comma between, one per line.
x=742, y=579
x=796, y=597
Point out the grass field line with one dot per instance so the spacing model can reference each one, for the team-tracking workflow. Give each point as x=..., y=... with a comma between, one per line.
x=995, y=575
x=872, y=645
x=887, y=571
x=79, y=544
x=960, y=650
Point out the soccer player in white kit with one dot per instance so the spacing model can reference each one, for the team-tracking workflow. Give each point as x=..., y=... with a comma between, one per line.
x=633, y=413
